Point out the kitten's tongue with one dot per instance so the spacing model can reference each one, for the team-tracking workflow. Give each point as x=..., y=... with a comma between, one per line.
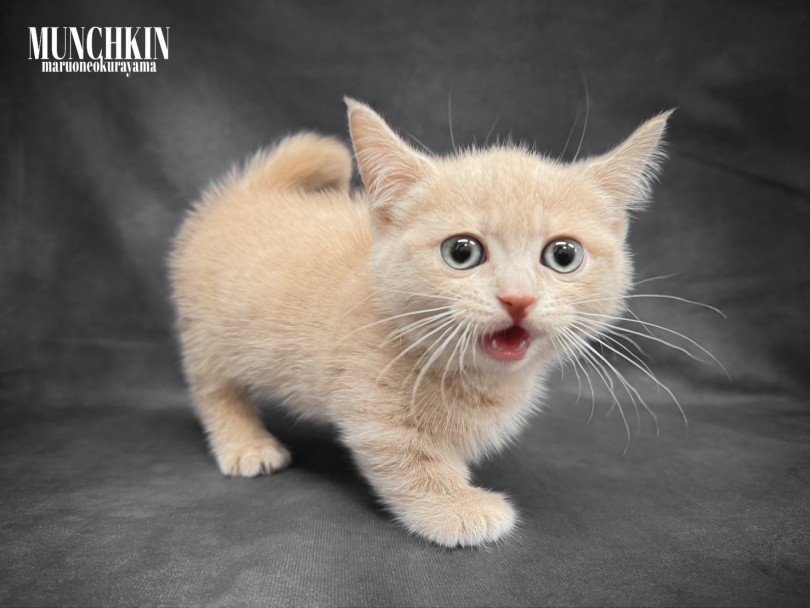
x=507, y=345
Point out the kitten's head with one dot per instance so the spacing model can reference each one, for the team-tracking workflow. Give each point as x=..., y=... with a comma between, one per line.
x=499, y=258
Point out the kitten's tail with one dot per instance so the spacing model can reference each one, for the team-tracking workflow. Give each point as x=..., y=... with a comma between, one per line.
x=305, y=161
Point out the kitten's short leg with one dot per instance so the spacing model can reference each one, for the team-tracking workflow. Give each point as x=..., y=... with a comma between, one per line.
x=238, y=439
x=428, y=489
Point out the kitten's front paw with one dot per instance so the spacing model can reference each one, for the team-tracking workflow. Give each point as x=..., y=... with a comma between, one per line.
x=469, y=518
x=252, y=458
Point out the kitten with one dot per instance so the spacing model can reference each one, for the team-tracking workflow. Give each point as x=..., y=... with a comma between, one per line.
x=417, y=318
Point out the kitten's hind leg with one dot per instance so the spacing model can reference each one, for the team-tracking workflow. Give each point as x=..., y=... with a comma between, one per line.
x=238, y=439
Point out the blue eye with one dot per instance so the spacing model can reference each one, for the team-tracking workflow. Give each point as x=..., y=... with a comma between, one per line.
x=563, y=255
x=462, y=252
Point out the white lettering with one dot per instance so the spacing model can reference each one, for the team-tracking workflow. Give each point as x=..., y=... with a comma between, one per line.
x=90, y=33
x=37, y=45
x=133, y=51
x=111, y=42
x=78, y=42
x=55, y=43
x=164, y=42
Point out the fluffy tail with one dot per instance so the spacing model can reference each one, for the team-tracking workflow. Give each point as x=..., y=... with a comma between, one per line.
x=307, y=162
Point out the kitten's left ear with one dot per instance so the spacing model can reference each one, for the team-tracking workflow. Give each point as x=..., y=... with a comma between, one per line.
x=627, y=172
x=389, y=167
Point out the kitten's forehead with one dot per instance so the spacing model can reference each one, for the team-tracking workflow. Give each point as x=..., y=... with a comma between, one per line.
x=515, y=195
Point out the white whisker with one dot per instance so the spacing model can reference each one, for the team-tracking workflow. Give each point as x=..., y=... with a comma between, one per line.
x=423, y=295
x=588, y=353
x=437, y=353
x=590, y=387
x=419, y=141
x=474, y=347
x=631, y=341
x=462, y=353
x=395, y=317
x=402, y=331
x=629, y=389
x=450, y=121
x=449, y=361
x=565, y=357
x=636, y=317
x=652, y=377
x=585, y=122
x=660, y=277
x=575, y=351
x=491, y=129
x=589, y=326
x=651, y=336
x=654, y=295
x=371, y=295
x=640, y=365
x=414, y=345
x=568, y=139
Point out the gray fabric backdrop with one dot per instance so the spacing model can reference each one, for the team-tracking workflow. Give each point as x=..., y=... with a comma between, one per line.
x=107, y=494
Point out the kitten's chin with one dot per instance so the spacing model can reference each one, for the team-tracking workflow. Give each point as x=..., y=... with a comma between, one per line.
x=508, y=345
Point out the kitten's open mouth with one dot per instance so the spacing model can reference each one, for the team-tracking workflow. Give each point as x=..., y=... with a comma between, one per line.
x=508, y=344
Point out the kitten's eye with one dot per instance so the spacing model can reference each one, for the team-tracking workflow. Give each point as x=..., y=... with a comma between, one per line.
x=462, y=252
x=563, y=255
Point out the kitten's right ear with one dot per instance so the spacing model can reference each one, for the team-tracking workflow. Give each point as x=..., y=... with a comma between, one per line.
x=389, y=167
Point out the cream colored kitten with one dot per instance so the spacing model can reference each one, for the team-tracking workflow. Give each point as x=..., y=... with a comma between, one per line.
x=417, y=318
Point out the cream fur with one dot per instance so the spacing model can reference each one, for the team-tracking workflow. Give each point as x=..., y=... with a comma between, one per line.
x=287, y=285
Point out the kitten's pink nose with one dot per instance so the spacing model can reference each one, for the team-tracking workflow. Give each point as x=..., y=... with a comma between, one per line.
x=517, y=306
